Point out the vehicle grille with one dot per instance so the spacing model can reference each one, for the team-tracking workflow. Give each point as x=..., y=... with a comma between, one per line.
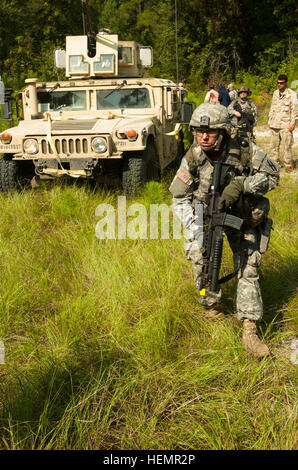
x=76, y=125
x=66, y=146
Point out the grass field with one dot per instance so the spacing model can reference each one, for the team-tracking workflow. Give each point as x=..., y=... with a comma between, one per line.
x=107, y=348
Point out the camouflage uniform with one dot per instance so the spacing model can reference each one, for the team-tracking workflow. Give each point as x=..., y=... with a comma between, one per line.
x=248, y=107
x=283, y=113
x=190, y=189
x=244, y=126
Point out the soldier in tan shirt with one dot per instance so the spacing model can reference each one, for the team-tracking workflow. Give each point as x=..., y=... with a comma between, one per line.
x=282, y=117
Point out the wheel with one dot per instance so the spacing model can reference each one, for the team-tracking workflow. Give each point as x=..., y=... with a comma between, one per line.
x=14, y=174
x=8, y=175
x=138, y=168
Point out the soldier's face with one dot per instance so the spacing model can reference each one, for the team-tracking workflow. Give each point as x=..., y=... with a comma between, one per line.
x=243, y=95
x=207, y=138
x=282, y=85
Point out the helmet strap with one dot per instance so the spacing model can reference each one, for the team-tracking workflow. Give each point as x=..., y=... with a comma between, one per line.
x=218, y=143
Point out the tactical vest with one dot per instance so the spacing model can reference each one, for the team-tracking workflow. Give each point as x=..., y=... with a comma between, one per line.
x=237, y=163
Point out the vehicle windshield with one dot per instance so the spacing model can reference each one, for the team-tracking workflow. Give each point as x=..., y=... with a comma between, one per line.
x=61, y=100
x=123, y=98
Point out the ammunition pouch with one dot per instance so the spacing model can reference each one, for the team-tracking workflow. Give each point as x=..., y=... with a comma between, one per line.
x=256, y=215
x=266, y=228
x=256, y=210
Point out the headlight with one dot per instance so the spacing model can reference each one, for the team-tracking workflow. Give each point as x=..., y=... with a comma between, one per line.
x=99, y=145
x=31, y=146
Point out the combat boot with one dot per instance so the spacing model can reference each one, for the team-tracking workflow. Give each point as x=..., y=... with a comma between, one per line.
x=251, y=342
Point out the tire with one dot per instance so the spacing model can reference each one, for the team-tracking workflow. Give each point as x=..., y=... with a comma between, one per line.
x=14, y=174
x=138, y=168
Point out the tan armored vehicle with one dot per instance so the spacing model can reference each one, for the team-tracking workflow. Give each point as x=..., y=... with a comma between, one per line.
x=107, y=122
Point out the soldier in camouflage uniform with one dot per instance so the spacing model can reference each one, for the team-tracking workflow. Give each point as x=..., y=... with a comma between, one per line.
x=243, y=113
x=191, y=187
x=282, y=116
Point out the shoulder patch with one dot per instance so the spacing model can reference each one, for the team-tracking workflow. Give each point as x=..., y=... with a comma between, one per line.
x=183, y=176
x=182, y=184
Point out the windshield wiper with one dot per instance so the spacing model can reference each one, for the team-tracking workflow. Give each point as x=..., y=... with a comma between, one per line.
x=118, y=88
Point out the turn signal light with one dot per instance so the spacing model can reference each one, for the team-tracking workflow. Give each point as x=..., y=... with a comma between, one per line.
x=132, y=134
x=5, y=138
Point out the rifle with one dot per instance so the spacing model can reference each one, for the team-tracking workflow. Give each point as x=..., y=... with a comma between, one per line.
x=214, y=223
x=246, y=121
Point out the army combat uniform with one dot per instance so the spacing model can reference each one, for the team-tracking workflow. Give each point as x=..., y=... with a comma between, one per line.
x=283, y=113
x=244, y=125
x=190, y=189
x=249, y=108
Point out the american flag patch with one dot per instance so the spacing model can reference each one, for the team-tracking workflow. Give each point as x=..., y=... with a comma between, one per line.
x=183, y=176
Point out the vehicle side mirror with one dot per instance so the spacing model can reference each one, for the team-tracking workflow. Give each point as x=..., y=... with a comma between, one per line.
x=186, y=112
x=5, y=111
x=6, y=106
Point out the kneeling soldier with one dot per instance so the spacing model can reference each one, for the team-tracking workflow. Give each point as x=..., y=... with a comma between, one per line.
x=217, y=189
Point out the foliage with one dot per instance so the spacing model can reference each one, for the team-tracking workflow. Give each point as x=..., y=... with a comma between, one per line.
x=219, y=41
x=107, y=348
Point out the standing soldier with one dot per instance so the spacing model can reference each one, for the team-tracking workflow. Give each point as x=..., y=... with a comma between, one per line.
x=245, y=181
x=282, y=117
x=243, y=114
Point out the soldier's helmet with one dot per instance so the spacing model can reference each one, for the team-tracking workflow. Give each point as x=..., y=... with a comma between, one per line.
x=210, y=116
x=244, y=88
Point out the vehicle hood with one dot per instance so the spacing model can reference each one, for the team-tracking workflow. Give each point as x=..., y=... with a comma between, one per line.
x=79, y=126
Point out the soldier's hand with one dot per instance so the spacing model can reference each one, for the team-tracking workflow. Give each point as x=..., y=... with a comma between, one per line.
x=292, y=127
x=237, y=114
x=231, y=193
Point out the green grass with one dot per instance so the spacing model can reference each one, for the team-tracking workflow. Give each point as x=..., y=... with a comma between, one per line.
x=107, y=347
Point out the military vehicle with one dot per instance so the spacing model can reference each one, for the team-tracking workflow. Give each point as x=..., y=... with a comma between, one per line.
x=106, y=122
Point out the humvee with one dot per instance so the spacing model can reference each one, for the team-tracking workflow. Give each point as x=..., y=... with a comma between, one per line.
x=106, y=122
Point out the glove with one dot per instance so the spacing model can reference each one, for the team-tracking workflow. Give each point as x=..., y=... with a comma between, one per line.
x=231, y=193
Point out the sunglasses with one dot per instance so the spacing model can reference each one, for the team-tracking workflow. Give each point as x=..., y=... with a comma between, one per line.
x=280, y=83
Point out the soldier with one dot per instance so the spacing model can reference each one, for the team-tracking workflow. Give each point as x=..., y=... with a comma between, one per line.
x=211, y=127
x=282, y=117
x=243, y=113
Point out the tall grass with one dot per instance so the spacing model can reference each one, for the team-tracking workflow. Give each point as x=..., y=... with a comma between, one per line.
x=107, y=348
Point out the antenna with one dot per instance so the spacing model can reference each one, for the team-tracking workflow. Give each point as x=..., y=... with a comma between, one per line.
x=176, y=41
x=84, y=28
x=90, y=32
